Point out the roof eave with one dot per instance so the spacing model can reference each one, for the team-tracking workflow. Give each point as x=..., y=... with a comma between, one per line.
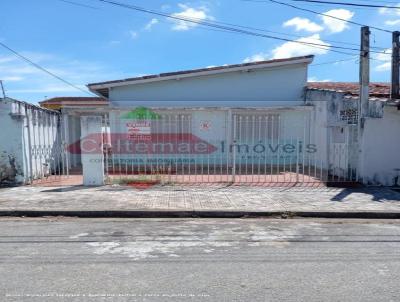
x=212, y=71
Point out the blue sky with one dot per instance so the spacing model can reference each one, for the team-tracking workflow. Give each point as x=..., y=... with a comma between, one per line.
x=103, y=42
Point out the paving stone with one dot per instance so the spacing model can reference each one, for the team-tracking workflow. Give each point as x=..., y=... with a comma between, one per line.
x=214, y=198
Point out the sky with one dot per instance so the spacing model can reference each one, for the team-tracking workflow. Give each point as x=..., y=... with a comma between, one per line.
x=95, y=41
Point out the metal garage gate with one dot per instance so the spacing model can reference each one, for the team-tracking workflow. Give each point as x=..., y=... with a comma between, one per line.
x=49, y=163
x=263, y=147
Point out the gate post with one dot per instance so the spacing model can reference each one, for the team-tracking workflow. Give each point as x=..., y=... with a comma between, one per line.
x=92, y=150
x=232, y=141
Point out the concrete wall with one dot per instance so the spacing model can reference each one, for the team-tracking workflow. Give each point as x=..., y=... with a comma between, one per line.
x=381, y=149
x=11, y=147
x=73, y=135
x=283, y=86
x=92, y=162
x=375, y=159
x=28, y=140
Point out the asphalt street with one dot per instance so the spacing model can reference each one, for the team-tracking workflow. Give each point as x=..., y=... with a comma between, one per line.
x=70, y=259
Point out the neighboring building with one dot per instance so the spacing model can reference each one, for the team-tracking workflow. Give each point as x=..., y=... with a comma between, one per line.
x=72, y=107
x=376, y=147
x=58, y=103
x=28, y=142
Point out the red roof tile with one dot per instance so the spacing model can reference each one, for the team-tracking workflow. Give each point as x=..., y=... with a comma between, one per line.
x=60, y=102
x=73, y=99
x=379, y=90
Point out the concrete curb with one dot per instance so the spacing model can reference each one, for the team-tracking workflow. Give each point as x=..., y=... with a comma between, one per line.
x=200, y=214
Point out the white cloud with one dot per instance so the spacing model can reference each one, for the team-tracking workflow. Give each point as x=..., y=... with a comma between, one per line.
x=384, y=11
x=12, y=78
x=292, y=49
x=150, y=24
x=303, y=24
x=383, y=67
x=47, y=89
x=392, y=22
x=315, y=79
x=385, y=60
x=133, y=34
x=6, y=59
x=257, y=57
x=25, y=82
x=197, y=14
x=335, y=25
x=390, y=11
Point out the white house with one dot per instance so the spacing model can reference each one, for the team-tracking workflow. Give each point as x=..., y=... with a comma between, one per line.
x=307, y=129
x=255, y=122
x=253, y=117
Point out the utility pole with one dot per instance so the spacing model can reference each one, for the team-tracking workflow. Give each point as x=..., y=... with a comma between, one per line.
x=2, y=89
x=395, y=83
x=363, y=109
x=364, y=74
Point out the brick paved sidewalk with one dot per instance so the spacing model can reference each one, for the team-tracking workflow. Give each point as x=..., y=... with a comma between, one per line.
x=199, y=198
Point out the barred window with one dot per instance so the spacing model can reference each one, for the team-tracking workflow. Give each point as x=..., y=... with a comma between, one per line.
x=172, y=123
x=256, y=126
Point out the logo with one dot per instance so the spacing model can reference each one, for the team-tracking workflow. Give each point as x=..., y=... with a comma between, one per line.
x=155, y=143
x=205, y=125
x=141, y=113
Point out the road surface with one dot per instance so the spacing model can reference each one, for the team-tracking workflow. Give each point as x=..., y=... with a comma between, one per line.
x=69, y=259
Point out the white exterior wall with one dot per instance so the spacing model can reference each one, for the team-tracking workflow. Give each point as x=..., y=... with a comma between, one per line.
x=376, y=160
x=319, y=130
x=11, y=147
x=381, y=149
x=26, y=128
x=92, y=163
x=73, y=136
x=277, y=86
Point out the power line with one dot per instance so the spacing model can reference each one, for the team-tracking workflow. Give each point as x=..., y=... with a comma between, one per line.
x=383, y=1
x=270, y=31
x=234, y=29
x=348, y=4
x=318, y=13
x=78, y=4
x=290, y=35
x=42, y=68
x=333, y=62
x=2, y=89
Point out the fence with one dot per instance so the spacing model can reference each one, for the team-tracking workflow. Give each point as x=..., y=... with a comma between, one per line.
x=275, y=147
x=280, y=147
x=32, y=144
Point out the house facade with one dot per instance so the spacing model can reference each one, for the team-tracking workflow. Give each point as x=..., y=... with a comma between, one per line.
x=251, y=119
x=370, y=143
x=257, y=122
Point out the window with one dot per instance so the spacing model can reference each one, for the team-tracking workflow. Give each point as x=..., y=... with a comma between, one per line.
x=256, y=126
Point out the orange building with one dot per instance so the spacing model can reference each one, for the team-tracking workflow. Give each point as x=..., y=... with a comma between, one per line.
x=61, y=102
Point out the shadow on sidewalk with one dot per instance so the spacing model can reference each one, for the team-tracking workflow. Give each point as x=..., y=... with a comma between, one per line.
x=67, y=189
x=378, y=194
